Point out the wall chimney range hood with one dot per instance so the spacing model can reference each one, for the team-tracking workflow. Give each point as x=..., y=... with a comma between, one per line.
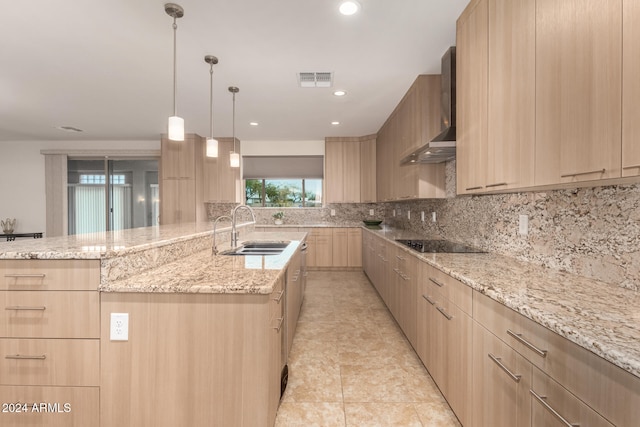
x=442, y=147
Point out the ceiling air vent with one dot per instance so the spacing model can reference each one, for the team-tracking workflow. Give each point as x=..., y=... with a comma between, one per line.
x=310, y=79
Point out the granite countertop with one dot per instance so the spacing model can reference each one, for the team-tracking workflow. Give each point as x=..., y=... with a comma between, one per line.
x=598, y=316
x=204, y=272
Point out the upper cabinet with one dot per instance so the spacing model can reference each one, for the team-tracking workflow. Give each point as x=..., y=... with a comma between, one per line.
x=222, y=182
x=631, y=86
x=178, y=157
x=414, y=122
x=471, y=84
x=578, y=90
x=561, y=110
x=350, y=169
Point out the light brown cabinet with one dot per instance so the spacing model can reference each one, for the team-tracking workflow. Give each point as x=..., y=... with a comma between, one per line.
x=320, y=243
x=340, y=250
x=501, y=383
x=414, y=122
x=49, y=339
x=631, y=88
x=578, y=90
x=354, y=247
x=368, y=169
x=222, y=183
x=472, y=97
x=294, y=297
x=404, y=290
x=349, y=169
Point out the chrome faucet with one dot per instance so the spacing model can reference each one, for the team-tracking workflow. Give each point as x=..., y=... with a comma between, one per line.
x=214, y=248
x=234, y=233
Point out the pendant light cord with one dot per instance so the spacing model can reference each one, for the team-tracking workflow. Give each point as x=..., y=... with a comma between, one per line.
x=175, y=68
x=211, y=103
x=234, y=122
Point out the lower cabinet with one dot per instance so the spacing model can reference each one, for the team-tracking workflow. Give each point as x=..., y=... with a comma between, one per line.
x=501, y=383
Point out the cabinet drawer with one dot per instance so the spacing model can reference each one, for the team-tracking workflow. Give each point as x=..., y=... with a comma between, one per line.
x=552, y=405
x=56, y=406
x=597, y=382
x=49, y=362
x=49, y=275
x=452, y=289
x=49, y=314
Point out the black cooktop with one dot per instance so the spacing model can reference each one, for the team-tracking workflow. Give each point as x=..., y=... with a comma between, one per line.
x=438, y=246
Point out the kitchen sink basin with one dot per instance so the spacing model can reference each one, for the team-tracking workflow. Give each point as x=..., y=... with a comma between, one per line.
x=258, y=248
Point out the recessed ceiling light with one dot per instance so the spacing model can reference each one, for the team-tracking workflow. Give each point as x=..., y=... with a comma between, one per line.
x=335, y=123
x=339, y=93
x=349, y=7
x=253, y=123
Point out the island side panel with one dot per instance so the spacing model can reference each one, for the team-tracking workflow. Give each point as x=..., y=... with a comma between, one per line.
x=191, y=359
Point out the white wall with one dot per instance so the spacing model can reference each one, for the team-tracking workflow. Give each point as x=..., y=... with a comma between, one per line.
x=283, y=148
x=22, y=180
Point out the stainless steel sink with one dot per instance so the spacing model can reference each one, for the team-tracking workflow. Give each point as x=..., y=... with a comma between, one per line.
x=257, y=248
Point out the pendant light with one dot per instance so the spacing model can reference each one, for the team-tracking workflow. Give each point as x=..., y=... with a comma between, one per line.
x=176, y=124
x=212, y=143
x=234, y=158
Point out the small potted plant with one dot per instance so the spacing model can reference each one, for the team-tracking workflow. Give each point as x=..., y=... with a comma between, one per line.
x=277, y=217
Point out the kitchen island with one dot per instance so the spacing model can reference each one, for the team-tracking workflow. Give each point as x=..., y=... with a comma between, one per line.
x=205, y=333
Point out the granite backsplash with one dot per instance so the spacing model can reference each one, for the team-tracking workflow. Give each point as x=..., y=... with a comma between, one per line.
x=593, y=232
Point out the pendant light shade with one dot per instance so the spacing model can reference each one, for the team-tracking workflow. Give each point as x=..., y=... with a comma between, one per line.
x=234, y=158
x=212, y=143
x=176, y=124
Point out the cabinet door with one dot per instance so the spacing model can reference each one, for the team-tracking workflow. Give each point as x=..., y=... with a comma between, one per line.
x=351, y=172
x=333, y=165
x=406, y=304
x=228, y=177
x=340, y=251
x=578, y=90
x=553, y=406
x=368, y=171
x=501, y=383
x=178, y=158
x=178, y=204
x=294, y=296
x=511, y=95
x=471, y=76
x=324, y=247
x=354, y=247
x=631, y=88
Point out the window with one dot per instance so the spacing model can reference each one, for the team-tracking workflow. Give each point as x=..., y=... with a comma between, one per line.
x=283, y=192
x=100, y=180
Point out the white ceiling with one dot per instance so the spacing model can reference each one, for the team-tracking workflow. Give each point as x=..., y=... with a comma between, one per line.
x=106, y=66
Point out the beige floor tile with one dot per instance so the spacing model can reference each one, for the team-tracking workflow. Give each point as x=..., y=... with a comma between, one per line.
x=371, y=383
x=436, y=415
x=381, y=415
x=314, y=381
x=319, y=331
x=310, y=351
x=293, y=414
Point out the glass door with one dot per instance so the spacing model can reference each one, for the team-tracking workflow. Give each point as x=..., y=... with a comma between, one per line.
x=112, y=194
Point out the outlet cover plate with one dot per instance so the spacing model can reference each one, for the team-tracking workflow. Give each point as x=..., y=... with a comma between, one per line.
x=119, y=327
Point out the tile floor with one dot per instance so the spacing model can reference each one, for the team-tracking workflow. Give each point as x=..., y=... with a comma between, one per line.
x=351, y=365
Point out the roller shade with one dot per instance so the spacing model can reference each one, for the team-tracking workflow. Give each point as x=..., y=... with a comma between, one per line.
x=281, y=167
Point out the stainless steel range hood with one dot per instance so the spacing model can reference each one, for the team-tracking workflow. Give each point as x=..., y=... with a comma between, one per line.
x=442, y=147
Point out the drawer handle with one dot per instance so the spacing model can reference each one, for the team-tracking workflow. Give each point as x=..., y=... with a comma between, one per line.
x=280, y=321
x=38, y=276
x=444, y=313
x=541, y=353
x=543, y=402
x=279, y=297
x=401, y=258
x=436, y=282
x=429, y=300
x=25, y=357
x=474, y=188
x=631, y=167
x=498, y=361
x=567, y=175
x=499, y=184
x=20, y=308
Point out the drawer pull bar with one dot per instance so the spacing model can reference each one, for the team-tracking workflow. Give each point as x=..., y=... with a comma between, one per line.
x=280, y=320
x=498, y=361
x=401, y=258
x=38, y=276
x=23, y=357
x=279, y=297
x=436, y=282
x=567, y=175
x=444, y=313
x=474, y=188
x=541, y=353
x=631, y=167
x=543, y=402
x=499, y=184
x=20, y=308
x=429, y=300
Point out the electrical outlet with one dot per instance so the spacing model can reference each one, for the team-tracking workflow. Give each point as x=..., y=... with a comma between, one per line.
x=333, y=212
x=119, y=327
x=433, y=217
x=523, y=226
x=408, y=214
x=370, y=212
x=394, y=212
x=422, y=216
